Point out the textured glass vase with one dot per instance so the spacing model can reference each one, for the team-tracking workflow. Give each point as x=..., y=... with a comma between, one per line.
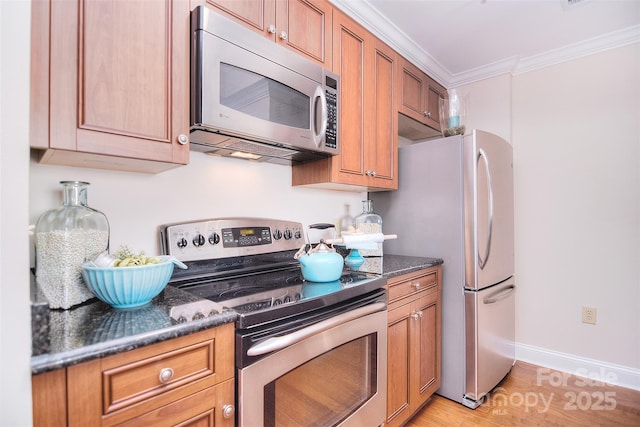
x=65, y=238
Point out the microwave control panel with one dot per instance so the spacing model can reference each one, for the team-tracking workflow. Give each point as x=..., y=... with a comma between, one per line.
x=331, y=94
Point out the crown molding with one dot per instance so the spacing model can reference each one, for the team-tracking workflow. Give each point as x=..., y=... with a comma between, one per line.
x=608, y=41
x=370, y=18
x=381, y=27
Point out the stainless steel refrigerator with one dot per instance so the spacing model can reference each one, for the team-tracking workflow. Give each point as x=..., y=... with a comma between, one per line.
x=455, y=202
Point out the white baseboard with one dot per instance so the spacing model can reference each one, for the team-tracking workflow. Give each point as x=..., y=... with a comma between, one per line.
x=618, y=375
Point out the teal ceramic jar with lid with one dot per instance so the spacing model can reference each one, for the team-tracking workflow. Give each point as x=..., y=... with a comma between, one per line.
x=65, y=238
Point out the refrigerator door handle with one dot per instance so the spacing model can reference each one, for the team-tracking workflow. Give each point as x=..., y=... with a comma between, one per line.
x=499, y=295
x=483, y=261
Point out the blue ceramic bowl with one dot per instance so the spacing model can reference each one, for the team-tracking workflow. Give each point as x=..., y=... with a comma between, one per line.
x=124, y=287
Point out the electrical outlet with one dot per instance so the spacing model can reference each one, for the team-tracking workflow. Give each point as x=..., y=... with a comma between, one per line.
x=589, y=315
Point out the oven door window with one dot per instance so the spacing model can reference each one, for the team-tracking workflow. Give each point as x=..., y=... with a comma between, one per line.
x=326, y=389
x=333, y=377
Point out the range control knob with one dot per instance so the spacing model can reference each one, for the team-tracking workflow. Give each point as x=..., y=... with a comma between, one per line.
x=182, y=242
x=198, y=240
x=277, y=234
x=214, y=238
x=297, y=234
x=287, y=234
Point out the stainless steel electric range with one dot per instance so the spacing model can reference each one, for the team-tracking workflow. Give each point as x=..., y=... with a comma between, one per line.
x=248, y=265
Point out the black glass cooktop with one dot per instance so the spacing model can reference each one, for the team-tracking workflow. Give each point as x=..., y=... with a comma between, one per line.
x=264, y=296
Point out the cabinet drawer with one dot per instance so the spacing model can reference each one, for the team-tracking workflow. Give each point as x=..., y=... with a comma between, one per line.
x=132, y=382
x=410, y=284
x=213, y=406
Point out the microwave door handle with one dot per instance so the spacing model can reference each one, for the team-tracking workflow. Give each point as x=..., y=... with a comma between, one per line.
x=278, y=343
x=318, y=136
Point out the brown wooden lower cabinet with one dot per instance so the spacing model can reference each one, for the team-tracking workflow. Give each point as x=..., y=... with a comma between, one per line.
x=186, y=381
x=414, y=342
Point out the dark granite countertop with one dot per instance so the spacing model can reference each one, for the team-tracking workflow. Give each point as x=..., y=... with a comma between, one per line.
x=391, y=265
x=94, y=329
x=396, y=265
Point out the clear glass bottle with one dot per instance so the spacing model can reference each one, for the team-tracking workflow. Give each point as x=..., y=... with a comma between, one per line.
x=369, y=222
x=65, y=238
x=346, y=220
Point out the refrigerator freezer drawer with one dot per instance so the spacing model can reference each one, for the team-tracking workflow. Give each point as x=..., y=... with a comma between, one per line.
x=490, y=335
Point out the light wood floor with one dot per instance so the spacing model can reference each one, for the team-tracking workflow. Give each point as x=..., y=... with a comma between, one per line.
x=533, y=396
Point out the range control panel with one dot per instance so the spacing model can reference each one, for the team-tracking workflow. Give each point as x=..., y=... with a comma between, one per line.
x=229, y=237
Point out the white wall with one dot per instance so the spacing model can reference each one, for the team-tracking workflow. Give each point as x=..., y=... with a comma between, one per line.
x=489, y=105
x=575, y=128
x=15, y=315
x=209, y=187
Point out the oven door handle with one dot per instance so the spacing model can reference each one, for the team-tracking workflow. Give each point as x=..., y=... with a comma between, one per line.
x=278, y=343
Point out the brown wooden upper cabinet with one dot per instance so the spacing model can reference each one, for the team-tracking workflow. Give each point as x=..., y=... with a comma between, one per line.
x=301, y=25
x=419, y=95
x=368, y=135
x=110, y=84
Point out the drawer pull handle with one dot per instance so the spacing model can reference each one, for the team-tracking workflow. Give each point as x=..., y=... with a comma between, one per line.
x=416, y=286
x=166, y=375
x=227, y=411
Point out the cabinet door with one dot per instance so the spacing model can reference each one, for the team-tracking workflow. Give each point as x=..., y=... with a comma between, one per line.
x=419, y=95
x=413, y=86
x=382, y=160
x=434, y=93
x=301, y=25
x=255, y=14
x=49, y=397
x=350, y=45
x=119, y=86
x=426, y=344
x=399, y=357
x=305, y=27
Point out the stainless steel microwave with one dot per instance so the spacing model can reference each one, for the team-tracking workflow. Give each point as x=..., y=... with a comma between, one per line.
x=254, y=99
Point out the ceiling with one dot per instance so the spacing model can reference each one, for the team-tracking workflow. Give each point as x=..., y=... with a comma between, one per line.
x=460, y=41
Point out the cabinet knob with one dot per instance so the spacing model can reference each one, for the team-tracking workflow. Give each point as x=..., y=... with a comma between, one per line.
x=417, y=315
x=272, y=29
x=227, y=411
x=183, y=139
x=416, y=286
x=374, y=174
x=427, y=114
x=166, y=374
x=283, y=35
